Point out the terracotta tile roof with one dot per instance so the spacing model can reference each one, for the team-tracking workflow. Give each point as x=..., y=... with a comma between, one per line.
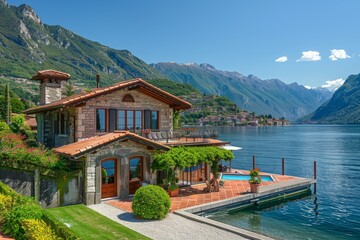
x=51, y=74
x=137, y=83
x=84, y=147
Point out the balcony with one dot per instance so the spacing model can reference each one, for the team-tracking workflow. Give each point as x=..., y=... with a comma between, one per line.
x=184, y=136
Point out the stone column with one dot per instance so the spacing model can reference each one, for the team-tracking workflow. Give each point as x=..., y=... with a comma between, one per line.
x=89, y=181
x=124, y=178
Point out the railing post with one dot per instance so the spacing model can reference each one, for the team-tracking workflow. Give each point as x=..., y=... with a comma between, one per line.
x=254, y=162
x=315, y=176
x=283, y=166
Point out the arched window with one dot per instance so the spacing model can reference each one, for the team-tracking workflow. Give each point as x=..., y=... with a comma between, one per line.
x=128, y=98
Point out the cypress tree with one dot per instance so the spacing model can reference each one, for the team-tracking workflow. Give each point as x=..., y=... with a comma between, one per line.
x=7, y=104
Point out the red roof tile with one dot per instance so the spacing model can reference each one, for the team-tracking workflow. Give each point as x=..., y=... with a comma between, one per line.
x=137, y=83
x=81, y=148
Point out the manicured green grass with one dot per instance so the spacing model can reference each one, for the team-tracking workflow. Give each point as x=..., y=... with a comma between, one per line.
x=88, y=224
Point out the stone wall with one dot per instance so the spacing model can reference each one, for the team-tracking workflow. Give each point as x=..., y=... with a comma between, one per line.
x=85, y=125
x=48, y=191
x=21, y=181
x=122, y=151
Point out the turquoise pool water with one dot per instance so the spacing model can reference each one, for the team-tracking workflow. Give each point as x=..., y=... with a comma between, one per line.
x=243, y=177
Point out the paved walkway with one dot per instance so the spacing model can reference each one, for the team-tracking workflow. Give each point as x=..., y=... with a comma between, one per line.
x=172, y=227
x=194, y=195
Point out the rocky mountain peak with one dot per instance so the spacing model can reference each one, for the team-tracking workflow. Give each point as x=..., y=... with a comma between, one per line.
x=29, y=13
x=253, y=77
x=3, y=2
x=207, y=66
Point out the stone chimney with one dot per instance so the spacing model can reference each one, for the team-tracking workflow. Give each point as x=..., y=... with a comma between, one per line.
x=50, y=85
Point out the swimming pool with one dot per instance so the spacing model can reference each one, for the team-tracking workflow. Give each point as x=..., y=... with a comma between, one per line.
x=245, y=177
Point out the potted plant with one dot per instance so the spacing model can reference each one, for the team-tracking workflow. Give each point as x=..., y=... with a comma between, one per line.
x=255, y=180
x=173, y=190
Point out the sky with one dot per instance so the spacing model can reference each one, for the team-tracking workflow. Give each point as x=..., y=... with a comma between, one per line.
x=313, y=43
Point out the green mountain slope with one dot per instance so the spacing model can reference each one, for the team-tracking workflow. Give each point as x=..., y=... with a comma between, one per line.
x=27, y=45
x=291, y=101
x=343, y=107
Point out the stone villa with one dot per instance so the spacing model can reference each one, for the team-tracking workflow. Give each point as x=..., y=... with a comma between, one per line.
x=113, y=130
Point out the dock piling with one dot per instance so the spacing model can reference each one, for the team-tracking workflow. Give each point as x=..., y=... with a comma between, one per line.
x=315, y=176
x=254, y=162
x=283, y=166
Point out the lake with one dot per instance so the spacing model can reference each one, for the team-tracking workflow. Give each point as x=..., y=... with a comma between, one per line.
x=334, y=211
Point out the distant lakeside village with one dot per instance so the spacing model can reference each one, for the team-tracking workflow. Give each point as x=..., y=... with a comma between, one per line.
x=226, y=114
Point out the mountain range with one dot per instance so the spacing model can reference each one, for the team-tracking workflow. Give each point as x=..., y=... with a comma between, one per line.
x=28, y=45
x=272, y=96
x=343, y=107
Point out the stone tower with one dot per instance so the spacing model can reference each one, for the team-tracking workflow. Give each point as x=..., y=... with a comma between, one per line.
x=50, y=85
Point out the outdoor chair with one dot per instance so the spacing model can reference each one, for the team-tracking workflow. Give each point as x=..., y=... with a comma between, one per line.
x=221, y=183
x=154, y=136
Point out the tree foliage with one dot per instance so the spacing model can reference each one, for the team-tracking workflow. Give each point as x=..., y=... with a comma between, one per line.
x=182, y=157
x=7, y=104
x=69, y=89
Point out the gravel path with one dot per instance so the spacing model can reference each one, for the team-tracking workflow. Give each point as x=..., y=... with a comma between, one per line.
x=172, y=227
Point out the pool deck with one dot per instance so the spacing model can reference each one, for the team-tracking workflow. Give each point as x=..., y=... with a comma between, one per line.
x=194, y=199
x=195, y=196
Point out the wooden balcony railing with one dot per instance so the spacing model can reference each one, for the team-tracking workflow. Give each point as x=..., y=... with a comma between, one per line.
x=183, y=134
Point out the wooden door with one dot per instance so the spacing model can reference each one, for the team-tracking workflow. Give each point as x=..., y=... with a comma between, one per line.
x=135, y=174
x=108, y=178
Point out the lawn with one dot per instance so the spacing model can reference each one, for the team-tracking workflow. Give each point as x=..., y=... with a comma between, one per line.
x=88, y=224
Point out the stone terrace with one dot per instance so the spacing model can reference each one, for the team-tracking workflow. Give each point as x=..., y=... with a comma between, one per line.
x=194, y=195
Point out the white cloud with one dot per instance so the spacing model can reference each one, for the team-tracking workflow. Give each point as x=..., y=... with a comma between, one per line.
x=333, y=85
x=309, y=56
x=281, y=59
x=338, y=54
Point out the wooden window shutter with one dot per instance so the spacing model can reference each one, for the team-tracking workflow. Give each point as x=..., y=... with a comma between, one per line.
x=147, y=119
x=112, y=119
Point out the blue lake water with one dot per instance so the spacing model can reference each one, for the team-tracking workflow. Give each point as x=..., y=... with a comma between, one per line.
x=334, y=211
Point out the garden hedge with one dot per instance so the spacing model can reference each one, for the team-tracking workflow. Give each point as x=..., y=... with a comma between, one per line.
x=23, y=208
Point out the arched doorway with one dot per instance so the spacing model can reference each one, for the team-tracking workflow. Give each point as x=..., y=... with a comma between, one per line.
x=135, y=173
x=108, y=178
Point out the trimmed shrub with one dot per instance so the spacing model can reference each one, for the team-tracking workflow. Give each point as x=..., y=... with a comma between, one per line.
x=37, y=230
x=5, y=205
x=151, y=202
x=58, y=227
x=15, y=216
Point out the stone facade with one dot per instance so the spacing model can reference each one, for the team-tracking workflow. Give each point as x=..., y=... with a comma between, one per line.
x=122, y=152
x=48, y=128
x=85, y=125
x=81, y=124
x=50, y=92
